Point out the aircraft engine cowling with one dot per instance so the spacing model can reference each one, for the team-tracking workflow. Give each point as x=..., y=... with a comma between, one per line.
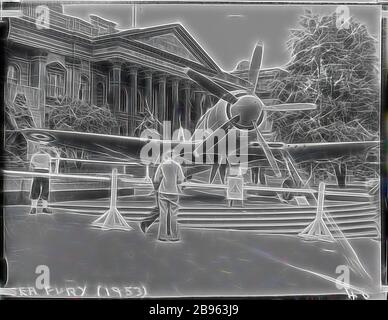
x=241, y=115
x=249, y=110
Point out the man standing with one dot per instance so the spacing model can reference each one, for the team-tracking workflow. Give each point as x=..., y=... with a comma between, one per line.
x=168, y=177
x=40, y=189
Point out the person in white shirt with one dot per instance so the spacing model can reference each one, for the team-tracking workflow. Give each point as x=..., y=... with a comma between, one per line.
x=168, y=177
x=40, y=162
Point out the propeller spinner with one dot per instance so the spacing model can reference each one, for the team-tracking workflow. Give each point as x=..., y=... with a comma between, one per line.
x=247, y=107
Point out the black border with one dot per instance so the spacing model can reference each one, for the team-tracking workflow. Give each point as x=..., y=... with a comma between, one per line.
x=384, y=141
x=4, y=28
x=246, y=301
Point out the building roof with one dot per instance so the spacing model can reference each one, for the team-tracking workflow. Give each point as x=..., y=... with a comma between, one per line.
x=169, y=45
x=172, y=38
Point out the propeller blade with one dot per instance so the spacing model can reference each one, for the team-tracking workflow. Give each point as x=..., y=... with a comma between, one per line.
x=213, y=172
x=254, y=67
x=211, y=86
x=291, y=107
x=223, y=127
x=267, y=151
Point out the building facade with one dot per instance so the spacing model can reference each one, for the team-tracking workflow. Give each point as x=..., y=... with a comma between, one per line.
x=134, y=72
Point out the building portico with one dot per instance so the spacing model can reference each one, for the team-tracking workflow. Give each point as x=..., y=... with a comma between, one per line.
x=137, y=73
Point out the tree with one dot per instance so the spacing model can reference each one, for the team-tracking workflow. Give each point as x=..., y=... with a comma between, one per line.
x=336, y=68
x=81, y=116
x=147, y=122
x=77, y=115
x=17, y=116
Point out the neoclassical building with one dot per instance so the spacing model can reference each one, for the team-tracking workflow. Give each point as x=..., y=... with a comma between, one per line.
x=130, y=71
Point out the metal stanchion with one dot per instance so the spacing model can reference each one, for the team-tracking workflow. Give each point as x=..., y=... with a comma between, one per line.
x=318, y=230
x=112, y=219
x=147, y=175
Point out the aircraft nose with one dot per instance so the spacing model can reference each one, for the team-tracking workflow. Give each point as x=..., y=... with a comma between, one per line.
x=249, y=109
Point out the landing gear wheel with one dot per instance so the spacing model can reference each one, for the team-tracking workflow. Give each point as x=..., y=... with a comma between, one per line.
x=340, y=172
x=287, y=196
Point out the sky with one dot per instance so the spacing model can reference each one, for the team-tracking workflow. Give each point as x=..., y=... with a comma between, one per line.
x=228, y=33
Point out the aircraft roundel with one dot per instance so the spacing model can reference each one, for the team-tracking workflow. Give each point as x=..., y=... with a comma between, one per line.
x=40, y=136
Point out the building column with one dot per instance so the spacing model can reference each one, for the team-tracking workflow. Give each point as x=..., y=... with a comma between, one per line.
x=148, y=90
x=73, y=71
x=91, y=83
x=93, y=90
x=162, y=99
x=69, y=83
x=38, y=80
x=133, y=70
x=208, y=102
x=175, y=103
x=76, y=80
x=38, y=71
x=198, y=96
x=186, y=105
x=73, y=77
x=115, y=85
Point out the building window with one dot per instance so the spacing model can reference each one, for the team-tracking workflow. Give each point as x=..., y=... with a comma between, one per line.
x=55, y=80
x=100, y=94
x=13, y=74
x=83, y=92
x=123, y=100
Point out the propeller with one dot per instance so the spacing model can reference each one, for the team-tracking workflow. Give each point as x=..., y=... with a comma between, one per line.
x=247, y=111
x=291, y=107
x=255, y=65
x=211, y=86
x=210, y=137
x=267, y=151
x=249, y=107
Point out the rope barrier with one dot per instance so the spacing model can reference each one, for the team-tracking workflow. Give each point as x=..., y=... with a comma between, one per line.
x=99, y=161
x=33, y=174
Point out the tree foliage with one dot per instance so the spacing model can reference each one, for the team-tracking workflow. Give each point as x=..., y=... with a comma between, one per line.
x=336, y=68
x=17, y=116
x=77, y=115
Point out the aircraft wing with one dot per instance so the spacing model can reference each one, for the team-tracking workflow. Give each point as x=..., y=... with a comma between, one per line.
x=119, y=147
x=328, y=150
x=123, y=147
x=113, y=146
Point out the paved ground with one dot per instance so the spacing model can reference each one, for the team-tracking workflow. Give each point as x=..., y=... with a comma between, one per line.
x=215, y=263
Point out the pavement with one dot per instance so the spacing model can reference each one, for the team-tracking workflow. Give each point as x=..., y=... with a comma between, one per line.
x=204, y=263
x=265, y=215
